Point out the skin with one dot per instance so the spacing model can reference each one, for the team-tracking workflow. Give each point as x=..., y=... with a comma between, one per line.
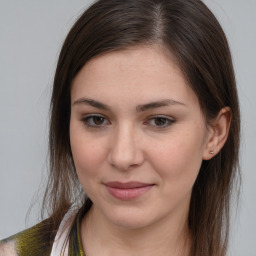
x=126, y=145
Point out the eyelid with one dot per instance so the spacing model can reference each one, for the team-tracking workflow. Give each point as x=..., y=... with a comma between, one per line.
x=169, y=120
x=85, y=119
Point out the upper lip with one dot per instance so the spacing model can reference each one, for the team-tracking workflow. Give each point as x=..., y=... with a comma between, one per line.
x=127, y=185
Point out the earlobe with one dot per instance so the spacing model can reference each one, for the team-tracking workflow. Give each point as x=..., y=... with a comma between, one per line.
x=218, y=133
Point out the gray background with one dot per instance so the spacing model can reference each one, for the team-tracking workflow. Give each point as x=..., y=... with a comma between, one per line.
x=31, y=34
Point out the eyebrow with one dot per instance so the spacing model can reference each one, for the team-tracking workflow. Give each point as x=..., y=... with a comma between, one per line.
x=139, y=108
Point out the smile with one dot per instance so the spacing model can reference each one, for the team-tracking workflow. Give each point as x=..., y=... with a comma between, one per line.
x=127, y=191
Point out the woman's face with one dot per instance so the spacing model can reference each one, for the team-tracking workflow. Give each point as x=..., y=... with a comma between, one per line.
x=138, y=136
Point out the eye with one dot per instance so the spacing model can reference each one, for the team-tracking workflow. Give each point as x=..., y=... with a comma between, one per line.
x=94, y=121
x=160, y=121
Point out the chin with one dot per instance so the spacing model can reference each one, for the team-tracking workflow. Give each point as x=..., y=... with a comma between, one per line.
x=131, y=223
x=129, y=218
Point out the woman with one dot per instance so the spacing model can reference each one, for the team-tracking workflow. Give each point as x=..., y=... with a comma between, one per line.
x=144, y=135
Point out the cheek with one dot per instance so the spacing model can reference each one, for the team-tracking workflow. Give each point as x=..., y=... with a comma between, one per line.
x=88, y=154
x=178, y=160
x=88, y=160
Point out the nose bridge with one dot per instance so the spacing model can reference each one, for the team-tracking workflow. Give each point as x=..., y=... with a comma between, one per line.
x=124, y=149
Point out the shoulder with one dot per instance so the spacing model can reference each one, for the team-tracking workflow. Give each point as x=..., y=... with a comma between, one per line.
x=8, y=247
x=35, y=241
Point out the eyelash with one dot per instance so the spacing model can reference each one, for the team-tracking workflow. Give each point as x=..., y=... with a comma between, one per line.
x=86, y=121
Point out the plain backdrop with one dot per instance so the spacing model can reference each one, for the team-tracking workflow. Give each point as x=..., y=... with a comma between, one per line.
x=31, y=34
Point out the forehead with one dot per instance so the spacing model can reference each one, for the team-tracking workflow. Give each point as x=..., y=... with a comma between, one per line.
x=138, y=58
x=143, y=73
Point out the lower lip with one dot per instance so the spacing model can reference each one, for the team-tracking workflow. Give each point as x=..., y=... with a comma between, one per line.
x=128, y=194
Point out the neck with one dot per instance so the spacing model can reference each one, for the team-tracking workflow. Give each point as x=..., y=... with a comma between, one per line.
x=166, y=237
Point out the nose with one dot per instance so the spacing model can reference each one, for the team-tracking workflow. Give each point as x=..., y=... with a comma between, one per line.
x=125, y=151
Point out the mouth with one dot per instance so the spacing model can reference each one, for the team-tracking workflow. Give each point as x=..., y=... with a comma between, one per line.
x=128, y=190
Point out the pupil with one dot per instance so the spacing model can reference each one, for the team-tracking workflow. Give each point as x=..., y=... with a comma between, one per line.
x=98, y=120
x=160, y=121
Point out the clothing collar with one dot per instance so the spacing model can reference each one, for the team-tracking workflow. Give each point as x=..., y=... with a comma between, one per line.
x=67, y=241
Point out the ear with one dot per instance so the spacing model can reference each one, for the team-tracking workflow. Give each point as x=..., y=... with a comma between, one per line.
x=218, y=133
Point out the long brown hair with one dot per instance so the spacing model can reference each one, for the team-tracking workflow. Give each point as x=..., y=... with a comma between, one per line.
x=191, y=32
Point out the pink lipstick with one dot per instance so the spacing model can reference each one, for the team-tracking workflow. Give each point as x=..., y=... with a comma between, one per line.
x=127, y=191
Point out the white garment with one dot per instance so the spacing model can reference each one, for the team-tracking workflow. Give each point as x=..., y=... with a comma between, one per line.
x=60, y=244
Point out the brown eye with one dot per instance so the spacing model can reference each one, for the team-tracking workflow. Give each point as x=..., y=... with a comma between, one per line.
x=160, y=122
x=98, y=120
x=94, y=121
